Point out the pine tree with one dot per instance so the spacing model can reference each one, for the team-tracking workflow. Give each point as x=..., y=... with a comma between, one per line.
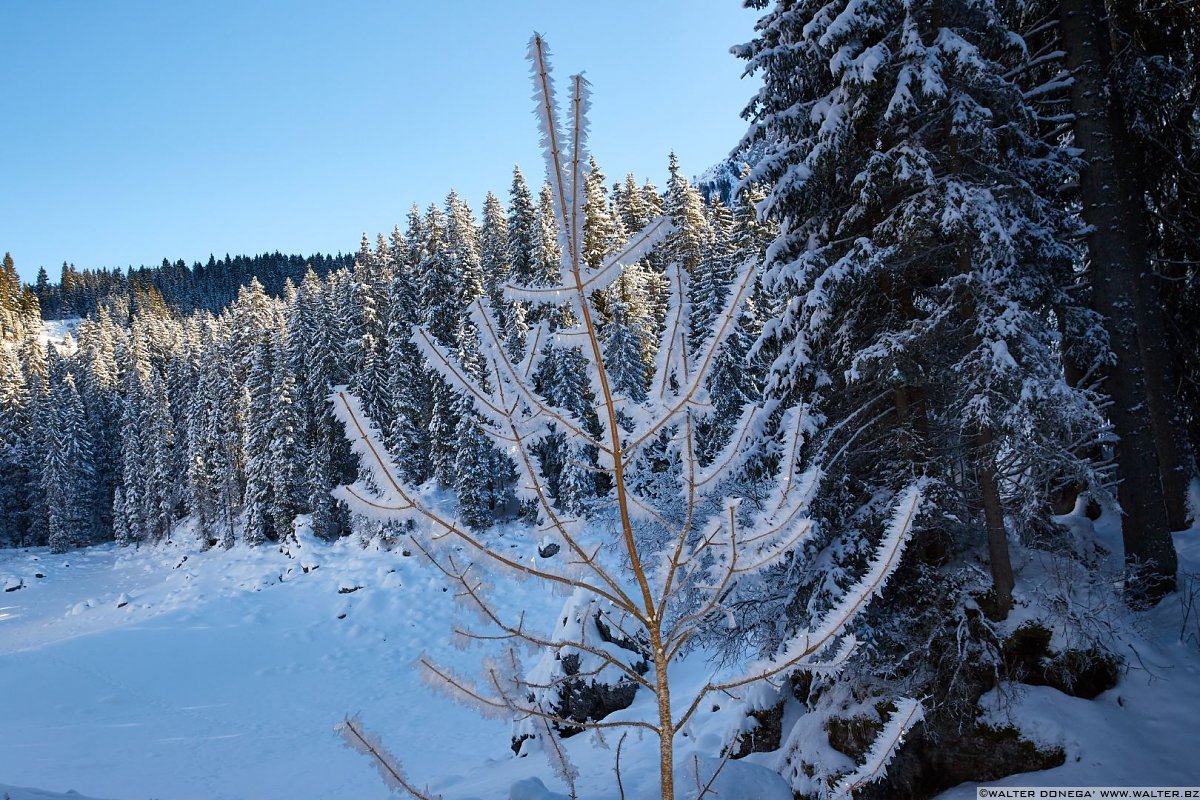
x=201, y=495
x=12, y=322
x=603, y=232
x=631, y=206
x=473, y=466
x=366, y=349
x=1144, y=412
x=98, y=388
x=285, y=449
x=462, y=253
x=547, y=257
x=901, y=280
x=16, y=449
x=523, y=231
x=1156, y=69
x=685, y=206
x=626, y=342
x=409, y=381
x=444, y=418
x=160, y=482
x=132, y=527
x=438, y=282
x=34, y=367
x=224, y=436
x=68, y=473
x=260, y=406
x=496, y=262
x=312, y=357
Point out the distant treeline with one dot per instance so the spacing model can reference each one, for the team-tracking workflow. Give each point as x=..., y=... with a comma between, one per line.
x=210, y=286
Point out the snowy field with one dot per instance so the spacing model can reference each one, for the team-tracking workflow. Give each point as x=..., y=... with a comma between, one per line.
x=178, y=675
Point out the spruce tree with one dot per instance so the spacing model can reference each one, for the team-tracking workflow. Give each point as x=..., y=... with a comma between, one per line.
x=286, y=449
x=260, y=415
x=132, y=526
x=473, y=467
x=160, y=482
x=1152, y=449
x=16, y=490
x=68, y=472
x=409, y=382
x=923, y=261
x=523, y=231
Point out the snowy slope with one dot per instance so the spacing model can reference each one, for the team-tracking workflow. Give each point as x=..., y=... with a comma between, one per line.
x=200, y=676
x=55, y=331
x=181, y=675
x=1141, y=732
x=224, y=675
x=24, y=793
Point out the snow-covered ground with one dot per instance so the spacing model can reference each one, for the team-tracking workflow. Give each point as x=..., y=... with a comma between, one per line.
x=56, y=331
x=181, y=675
x=175, y=675
x=1142, y=732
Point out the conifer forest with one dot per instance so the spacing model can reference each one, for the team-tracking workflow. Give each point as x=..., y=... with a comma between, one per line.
x=860, y=464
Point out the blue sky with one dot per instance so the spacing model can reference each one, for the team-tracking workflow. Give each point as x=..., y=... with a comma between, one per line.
x=133, y=130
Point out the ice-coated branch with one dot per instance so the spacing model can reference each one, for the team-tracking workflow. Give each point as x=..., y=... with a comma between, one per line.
x=393, y=501
x=680, y=379
x=907, y=714
x=526, y=408
x=799, y=651
x=546, y=109
x=356, y=737
x=638, y=246
x=444, y=680
x=554, y=643
x=884, y=563
x=580, y=105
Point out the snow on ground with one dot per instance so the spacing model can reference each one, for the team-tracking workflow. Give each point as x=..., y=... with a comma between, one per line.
x=178, y=675
x=55, y=331
x=223, y=674
x=1142, y=731
x=173, y=674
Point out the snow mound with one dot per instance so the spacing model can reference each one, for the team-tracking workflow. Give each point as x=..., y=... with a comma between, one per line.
x=21, y=793
x=1140, y=732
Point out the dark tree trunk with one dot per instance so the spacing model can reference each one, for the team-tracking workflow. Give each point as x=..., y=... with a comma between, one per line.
x=1117, y=246
x=1166, y=165
x=999, y=562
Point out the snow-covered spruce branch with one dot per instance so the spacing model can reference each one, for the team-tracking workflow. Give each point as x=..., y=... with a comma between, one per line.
x=656, y=566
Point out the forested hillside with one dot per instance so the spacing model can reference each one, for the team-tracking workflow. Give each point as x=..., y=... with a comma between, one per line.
x=237, y=402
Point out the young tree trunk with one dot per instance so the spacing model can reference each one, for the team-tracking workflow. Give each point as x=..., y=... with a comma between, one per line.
x=1117, y=246
x=666, y=721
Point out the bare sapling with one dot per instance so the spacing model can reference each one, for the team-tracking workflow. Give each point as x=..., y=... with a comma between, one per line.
x=652, y=570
